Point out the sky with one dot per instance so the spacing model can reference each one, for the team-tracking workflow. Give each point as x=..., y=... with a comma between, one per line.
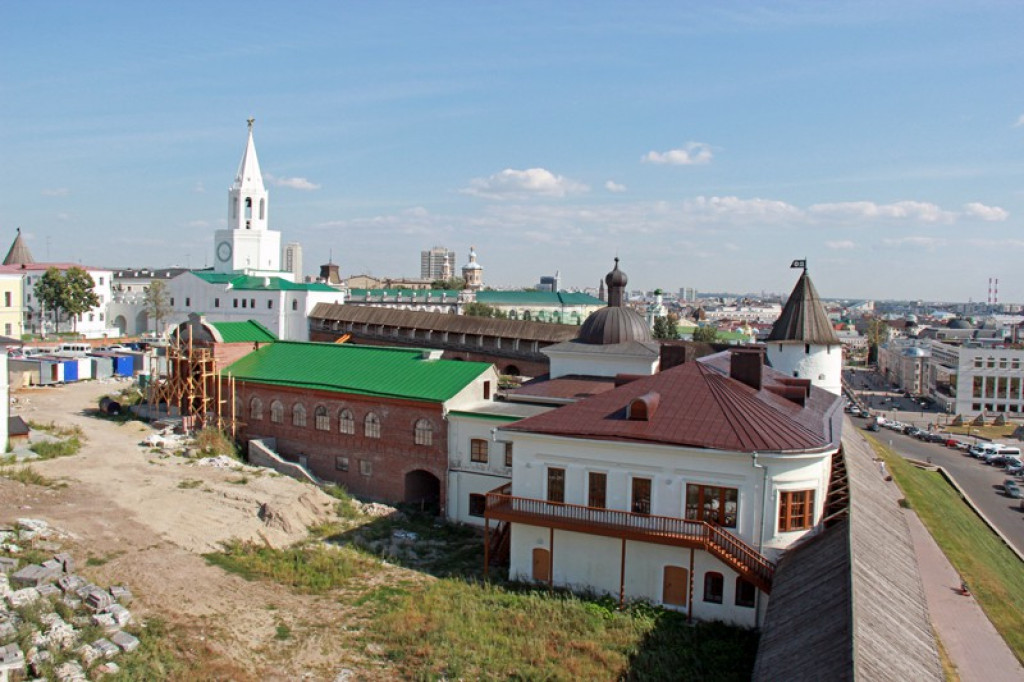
x=706, y=145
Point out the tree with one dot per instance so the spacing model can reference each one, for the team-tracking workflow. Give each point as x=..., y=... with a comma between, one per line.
x=877, y=333
x=157, y=303
x=707, y=333
x=475, y=309
x=67, y=293
x=456, y=283
x=661, y=330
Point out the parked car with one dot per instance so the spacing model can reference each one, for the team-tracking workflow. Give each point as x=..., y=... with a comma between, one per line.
x=873, y=426
x=1011, y=489
x=1011, y=461
x=1015, y=470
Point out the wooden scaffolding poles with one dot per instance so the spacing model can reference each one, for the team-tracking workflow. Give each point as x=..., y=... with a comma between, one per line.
x=193, y=389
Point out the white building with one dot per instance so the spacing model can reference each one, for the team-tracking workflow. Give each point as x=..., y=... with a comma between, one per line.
x=968, y=380
x=681, y=488
x=803, y=344
x=93, y=324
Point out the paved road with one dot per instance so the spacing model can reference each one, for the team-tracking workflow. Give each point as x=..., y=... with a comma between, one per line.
x=982, y=483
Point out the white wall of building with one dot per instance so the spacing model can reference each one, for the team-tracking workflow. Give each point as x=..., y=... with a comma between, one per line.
x=822, y=364
x=566, y=362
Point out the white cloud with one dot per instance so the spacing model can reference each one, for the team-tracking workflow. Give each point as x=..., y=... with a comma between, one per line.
x=294, y=183
x=200, y=188
x=56, y=192
x=1020, y=122
x=919, y=242
x=842, y=244
x=613, y=186
x=512, y=184
x=900, y=210
x=691, y=154
x=728, y=208
x=990, y=213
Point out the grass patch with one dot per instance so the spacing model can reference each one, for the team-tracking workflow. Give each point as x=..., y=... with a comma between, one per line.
x=991, y=432
x=58, y=430
x=241, y=480
x=283, y=632
x=312, y=569
x=30, y=476
x=452, y=629
x=995, y=574
x=51, y=449
x=212, y=442
x=346, y=507
x=190, y=483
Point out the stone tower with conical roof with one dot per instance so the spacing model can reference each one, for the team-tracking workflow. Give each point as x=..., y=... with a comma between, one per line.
x=19, y=253
x=247, y=243
x=803, y=343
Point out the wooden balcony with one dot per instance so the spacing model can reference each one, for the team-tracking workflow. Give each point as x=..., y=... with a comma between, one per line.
x=661, y=530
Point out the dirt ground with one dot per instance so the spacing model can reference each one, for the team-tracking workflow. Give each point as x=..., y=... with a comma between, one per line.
x=124, y=509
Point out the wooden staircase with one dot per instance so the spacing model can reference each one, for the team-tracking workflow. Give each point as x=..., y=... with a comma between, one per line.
x=500, y=544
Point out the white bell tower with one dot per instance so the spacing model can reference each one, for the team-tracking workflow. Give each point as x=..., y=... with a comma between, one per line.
x=247, y=244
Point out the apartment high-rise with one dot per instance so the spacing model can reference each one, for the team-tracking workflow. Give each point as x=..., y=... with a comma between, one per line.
x=437, y=263
x=291, y=259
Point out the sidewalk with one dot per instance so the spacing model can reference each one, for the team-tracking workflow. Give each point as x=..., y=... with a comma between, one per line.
x=970, y=640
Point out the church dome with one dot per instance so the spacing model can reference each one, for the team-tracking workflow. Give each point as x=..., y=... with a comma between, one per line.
x=959, y=323
x=614, y=325
x=472, y=264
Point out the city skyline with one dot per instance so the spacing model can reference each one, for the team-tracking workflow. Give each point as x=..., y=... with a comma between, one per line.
x=707, y=147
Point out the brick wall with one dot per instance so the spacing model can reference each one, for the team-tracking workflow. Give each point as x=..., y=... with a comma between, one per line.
x=377, y=467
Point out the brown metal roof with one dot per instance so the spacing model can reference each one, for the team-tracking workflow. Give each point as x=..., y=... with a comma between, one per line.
x=804, y=319
x=19, y=253
x=569, y=387
x=444, y=322
x=700, y=406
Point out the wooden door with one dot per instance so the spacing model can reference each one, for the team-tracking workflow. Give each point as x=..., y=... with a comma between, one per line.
x=541, y=565
x=676, y=586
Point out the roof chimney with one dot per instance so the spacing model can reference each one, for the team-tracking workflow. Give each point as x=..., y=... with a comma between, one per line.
x=746, y=364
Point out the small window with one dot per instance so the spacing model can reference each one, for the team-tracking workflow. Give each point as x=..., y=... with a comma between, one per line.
x=477, y=504
x=641, y=500
x=508, y=453
x=188, y=301
x=298, y=415
x=216, y=303
x=244, y=303
x=234, y=303
x=371, y=426
x=172, y=300
x=7, y=299
x=423, y=432
x=320, y=419
x=295, y=304
x=341, y=463
x=478, y=450
x=746, y=593
x=713, y=587
x=101, y=281
x=252, y=302
x=277, y=412
x=556, y=485
x=256, y=409
x=366, y=467
x=270, y=303
x=487, y=390
x=796, y=510
x=346, y=422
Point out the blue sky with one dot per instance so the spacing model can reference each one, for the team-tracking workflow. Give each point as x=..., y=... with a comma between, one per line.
x=705, y=144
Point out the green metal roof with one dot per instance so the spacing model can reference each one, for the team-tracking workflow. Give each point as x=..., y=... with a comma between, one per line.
x=239, y=332
x=366, y=370
x=527, y=298
x=251, y=283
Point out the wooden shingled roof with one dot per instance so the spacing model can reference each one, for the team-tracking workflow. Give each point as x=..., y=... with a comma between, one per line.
x=444, y=322
x=701, y=406
x=803, y=319
x=848, y=604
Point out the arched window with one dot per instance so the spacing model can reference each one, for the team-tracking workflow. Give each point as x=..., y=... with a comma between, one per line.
x=424, y=432
x=346, y=422
x=256, y=409
x=277, y=412
x=713, y=587
x=371, y=426
x=321, y=420
x=298, y=415
x=248, y=209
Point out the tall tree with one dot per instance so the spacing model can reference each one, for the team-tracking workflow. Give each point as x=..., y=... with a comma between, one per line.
x=877, y=333
x=158, y=303
x=80, y=295
x=49, y=291
x=660, y=330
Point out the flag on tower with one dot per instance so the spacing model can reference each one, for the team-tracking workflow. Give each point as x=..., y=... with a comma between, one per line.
x=799, y=264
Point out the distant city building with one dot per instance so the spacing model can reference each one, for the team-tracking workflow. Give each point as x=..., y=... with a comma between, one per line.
x=437, y=263
x=688, y=294
x=473, y=272
x=292, y=259
x=550, y=282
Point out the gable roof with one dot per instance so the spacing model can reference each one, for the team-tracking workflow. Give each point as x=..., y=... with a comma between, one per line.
x=364, y=370
x=701, y=406
x=243, y=282
x=804, y=319
x=240, y=332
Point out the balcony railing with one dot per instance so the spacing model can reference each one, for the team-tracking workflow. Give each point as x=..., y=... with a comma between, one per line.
x=663, y=530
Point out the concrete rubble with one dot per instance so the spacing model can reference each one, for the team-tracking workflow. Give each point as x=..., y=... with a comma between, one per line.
x=45, y=606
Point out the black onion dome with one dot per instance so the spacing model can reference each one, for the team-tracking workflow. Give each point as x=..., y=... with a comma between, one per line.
x=614, y=325
x=616, y=278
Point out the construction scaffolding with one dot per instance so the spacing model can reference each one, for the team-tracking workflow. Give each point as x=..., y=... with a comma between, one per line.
x=192, y=389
